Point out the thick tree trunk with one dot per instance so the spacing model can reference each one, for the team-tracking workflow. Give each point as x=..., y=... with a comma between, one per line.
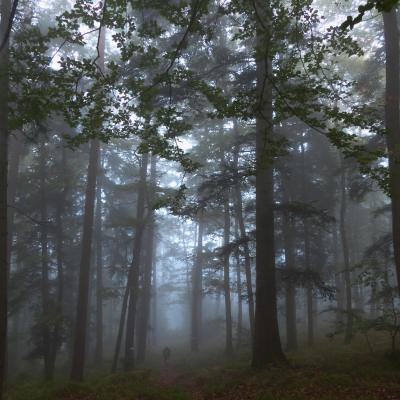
x=346, y=257
x=267, y=344
x=197, y=286
x=4, y=133
x=392, y=121
x=144, y=314
x=133, y=282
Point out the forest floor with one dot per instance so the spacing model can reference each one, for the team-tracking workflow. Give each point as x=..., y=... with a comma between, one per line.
x=339, y=373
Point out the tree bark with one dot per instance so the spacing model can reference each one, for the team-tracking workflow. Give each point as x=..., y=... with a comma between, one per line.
x=239, y=290
x=133, y=282
x=79, y=350
x=144, y=315
x=99, y=272
x=290, y=289
x=197, y=286
x=346, y=256
x=154, y=305
x=16, y=146
x=267, y=344
x=45, y=291
x=238, y=204
x=56, y=339
x=121, y=326
x=392, y=122
x=4, y=133
x=227, y=287
x=307, y=256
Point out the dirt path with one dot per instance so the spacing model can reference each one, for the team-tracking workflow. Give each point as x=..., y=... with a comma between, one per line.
x=169, y=376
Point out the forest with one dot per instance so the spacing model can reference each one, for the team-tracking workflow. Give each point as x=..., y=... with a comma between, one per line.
x=199, y=199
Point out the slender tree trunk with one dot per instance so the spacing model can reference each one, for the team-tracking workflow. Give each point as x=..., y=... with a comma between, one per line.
x=45, y=290
x=15, y=149
x=239, y=289
x=4, y=133
x=307, y=257
x=133, y=283
x=338, y=275
x=120, y=329
x=154, y=304
x=197, y=286
x=16, y=146
x=56, y=339
x=392, y=121
x=227, y=287
x=346, y=257
x=55, y=336
x=79, y=351
x=267, y=344
x=238, y=203
x=144, y=315
x=290, y=289
x=309, y=288
x=99, y=272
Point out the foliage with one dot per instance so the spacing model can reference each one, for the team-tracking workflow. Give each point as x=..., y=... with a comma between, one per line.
x=379, y=5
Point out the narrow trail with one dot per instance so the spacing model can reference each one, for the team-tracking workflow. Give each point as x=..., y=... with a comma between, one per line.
x=170, y=377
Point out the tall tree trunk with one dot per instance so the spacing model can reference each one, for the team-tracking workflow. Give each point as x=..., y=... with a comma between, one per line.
x=290, y=289
x=307, y=256
x=238, y=204
x=144, y=314
x=56, y=339
x=99, y=272
x=133, y=282
x=227, y=287
x=197, y=286
x=79, y=350
x=16, y=146
x=239, y=289
x=4, y=133
x=154, y=305
x=15, y=149
x=121, y=326
x=45, y=290
x=346, y=256
x=392, y=121
x=338, y=276
x=267, y=344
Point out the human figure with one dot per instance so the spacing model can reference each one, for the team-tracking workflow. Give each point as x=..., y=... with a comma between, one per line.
x=166, y=353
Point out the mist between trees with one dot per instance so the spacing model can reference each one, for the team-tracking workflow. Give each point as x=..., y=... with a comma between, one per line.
x=200, y=175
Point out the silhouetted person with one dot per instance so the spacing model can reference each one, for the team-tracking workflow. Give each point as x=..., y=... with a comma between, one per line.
x=166, y=354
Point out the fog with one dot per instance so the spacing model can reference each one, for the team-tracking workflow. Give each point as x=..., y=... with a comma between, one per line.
x=198, y=199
